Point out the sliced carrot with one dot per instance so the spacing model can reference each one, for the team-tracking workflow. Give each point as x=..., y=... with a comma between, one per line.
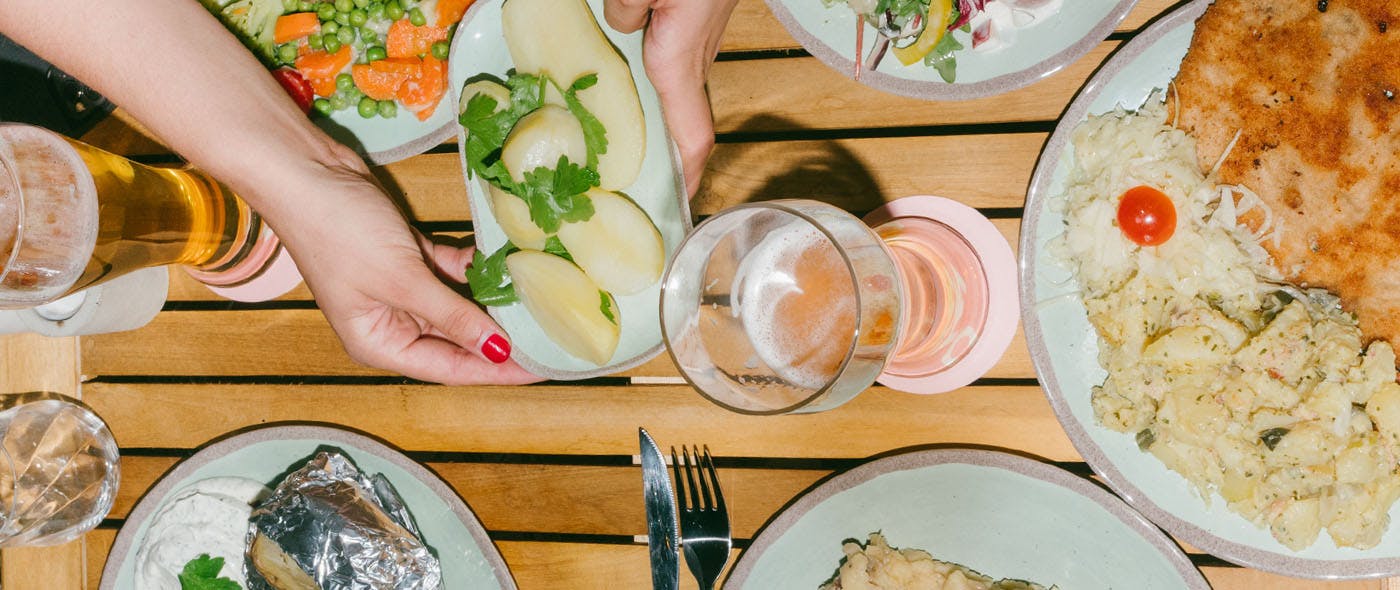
x=319, y=64
x=422, y=93
x=403, y=66
x=406, y=40
x=377, y=83
x=295, y=26
x=323, y=86
x=451, y=11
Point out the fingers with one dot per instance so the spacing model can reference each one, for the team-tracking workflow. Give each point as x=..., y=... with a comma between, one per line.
x=626, y=16
x=439, y=361
x=687, y=110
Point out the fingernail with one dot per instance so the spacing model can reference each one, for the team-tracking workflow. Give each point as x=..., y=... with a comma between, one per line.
x=496, y=349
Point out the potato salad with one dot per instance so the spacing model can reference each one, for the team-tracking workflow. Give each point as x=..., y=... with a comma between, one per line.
x=1259, y=393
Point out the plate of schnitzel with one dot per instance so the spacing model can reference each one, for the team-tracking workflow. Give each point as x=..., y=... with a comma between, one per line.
x=1222, y=356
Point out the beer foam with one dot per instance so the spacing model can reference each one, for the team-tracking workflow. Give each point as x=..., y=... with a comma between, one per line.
x=793, y=322
x=59, y=214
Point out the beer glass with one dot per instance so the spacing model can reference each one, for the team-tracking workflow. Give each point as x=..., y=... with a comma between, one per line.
x=798, y=306
x=73, y=216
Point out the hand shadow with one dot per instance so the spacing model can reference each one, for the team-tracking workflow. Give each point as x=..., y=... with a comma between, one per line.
x=765, y=170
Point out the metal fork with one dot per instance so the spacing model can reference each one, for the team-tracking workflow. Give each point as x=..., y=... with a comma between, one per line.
x=704, y=518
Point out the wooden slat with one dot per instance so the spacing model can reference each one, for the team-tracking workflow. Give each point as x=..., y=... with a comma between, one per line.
x=584, y=420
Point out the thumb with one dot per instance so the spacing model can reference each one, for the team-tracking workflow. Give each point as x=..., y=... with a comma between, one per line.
x=626, y=16
x=686, y=107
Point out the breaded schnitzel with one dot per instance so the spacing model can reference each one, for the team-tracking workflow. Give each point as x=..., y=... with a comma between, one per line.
x=1311, y=87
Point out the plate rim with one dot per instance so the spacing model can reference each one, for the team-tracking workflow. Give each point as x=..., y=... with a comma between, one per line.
x=472, y=186
x=1036, y=201
x=154, y=497
x=906, y=461
x=944, y=91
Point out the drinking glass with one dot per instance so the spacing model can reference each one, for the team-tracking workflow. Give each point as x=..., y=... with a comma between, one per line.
x=798, y=306
x=73, y=216
x=59, y=469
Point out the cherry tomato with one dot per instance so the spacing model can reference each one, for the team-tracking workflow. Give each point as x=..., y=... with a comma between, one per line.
x=296, y=86
x=1146, y=216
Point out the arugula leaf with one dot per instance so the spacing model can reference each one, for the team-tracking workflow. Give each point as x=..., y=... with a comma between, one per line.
x=488, y=123
x=606, y=307
x=595, y=136
x=556, y=195
x=202, y=573
x=554, y=246
x=490, y=280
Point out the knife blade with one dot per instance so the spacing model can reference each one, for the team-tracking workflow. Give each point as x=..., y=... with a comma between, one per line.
x=663, y=538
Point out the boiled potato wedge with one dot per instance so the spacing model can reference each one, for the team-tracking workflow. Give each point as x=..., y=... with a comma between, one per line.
x=490, y=88
x=539, y=138
x=561, y=39
x=513, y=215
x=618, y=247
x=567, y=304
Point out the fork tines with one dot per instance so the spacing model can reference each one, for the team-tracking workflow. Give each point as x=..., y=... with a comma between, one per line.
x=700, y=497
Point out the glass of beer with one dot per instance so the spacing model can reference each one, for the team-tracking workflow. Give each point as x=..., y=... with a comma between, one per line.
x=73, y=216
x=798, y=306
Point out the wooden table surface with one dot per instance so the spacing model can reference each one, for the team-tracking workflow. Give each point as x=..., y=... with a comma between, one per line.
x=550, y=468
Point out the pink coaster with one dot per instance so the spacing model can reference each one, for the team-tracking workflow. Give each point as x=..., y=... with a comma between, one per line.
x=268, y=273
x=999, y=266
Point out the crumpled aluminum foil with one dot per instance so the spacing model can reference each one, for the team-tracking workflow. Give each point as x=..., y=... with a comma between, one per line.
x=347, y=530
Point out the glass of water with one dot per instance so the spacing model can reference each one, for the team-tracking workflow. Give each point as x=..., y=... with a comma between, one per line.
x=59, y=469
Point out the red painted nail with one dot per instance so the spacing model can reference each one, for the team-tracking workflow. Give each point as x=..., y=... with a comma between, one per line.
x=496, y=349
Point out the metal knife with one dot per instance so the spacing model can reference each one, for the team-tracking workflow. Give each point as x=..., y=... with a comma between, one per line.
x=663, y=537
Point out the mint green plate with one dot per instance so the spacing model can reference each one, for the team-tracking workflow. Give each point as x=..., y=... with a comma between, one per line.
x=1000, y=514
x=1065, y=348
x=480, y=48
x=468, y=557
x=383, y=141
x=829, y=34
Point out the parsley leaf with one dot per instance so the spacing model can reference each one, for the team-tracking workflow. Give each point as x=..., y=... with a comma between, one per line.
x=489, y=279
x=202, y=573
x=553, y=245
x=488, y=123
x=556, y=195
x=595, y=136
x=606, y=307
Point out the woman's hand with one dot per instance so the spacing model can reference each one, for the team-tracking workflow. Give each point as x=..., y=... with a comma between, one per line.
x=682, y=40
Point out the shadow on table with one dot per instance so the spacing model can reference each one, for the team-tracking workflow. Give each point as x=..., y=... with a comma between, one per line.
x=752, y=167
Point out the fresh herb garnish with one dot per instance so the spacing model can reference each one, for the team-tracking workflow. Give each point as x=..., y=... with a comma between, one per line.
x=557, y=195
x=606, y=307
x=595, y=136
x=941, y=58
x=202, y=573
x=552, y=245
x=490, y=280
x=488, y=123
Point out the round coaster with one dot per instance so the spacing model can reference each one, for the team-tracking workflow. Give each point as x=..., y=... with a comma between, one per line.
x=268, y=274
x=999, y=266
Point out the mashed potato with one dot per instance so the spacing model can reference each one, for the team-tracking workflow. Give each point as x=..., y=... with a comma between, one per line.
x=877, y=566
x=1248, y=387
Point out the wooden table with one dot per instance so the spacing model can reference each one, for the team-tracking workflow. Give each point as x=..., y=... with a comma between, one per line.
x=550, y=469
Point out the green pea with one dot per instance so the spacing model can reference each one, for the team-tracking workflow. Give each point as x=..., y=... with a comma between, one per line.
x=368, y=107
x=329, y=29
x=345, y=35
x=332, y=43
x=416, y=17
x=393, y=10
x=343, y=18
x=375, y=53
x=440, y=49
x=388, y=109
x=325, y=11
x=338, y=103
x=361, y=3
x=376, y=10
x=290, y=5
x=353, y=94
x=287, y=52
x=323, y=106
x=358, y=18
x=344, y=5
x=368, y=36
x=306, y=6
x=314, y=41
x=344, y=82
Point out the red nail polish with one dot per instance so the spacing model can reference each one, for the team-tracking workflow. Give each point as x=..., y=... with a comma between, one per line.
x=496, y=349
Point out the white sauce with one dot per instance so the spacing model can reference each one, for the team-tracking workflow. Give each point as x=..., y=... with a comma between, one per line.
x=209, y=516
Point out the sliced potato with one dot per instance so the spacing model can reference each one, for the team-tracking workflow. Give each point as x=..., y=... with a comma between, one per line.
x=513, y=215
x=567, y=304
x=490, y=88
x=618, y=247
x=539, y=138
x=561, y=39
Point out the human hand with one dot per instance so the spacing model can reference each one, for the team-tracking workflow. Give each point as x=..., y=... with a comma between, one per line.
x=380, y=285
x=682, y=40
